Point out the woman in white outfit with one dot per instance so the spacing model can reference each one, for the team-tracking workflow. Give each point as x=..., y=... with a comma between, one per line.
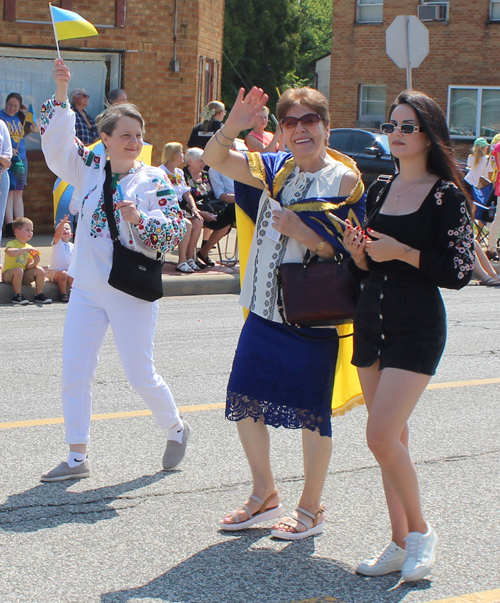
x=149, y=220
x=5, y=157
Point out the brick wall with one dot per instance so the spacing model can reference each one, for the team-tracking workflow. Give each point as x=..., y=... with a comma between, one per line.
x=168, y=101
x=463, y=51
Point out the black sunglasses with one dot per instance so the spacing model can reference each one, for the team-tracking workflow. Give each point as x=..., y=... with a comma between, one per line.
x=405, y=128
x=308, y=120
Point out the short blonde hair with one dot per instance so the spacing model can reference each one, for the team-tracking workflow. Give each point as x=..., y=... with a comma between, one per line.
x=20, y=222
x=170, y=151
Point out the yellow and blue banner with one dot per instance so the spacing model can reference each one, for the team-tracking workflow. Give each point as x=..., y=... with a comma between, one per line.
x=68, y=25
x=30, y=116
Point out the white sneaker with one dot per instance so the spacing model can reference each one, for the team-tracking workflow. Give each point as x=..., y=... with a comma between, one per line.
x=386, y=561
x=420, y=554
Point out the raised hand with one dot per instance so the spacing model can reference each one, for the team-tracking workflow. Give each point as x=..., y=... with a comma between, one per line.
x=242, y=114
x=61, y=75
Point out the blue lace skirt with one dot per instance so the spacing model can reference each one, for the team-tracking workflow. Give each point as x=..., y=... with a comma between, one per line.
x=281, y=377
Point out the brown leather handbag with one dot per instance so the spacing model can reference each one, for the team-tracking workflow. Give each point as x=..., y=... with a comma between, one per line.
x=317, y=293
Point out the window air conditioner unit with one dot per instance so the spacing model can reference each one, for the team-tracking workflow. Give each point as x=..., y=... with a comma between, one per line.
x=433, y=12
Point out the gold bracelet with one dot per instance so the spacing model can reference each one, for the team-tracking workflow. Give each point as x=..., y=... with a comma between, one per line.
x=228, y=146
x=220, y=130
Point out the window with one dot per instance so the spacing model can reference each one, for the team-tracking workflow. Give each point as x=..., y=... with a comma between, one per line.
x=473, y=111
x=369, y=11
x=29, y=72
x=372, y=104
x=495, y=10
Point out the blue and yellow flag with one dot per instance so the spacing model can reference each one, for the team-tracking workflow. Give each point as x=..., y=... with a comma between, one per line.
x=68, y=25
x=30, y=116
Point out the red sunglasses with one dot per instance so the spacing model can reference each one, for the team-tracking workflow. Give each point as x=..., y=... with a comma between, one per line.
x=308, y=120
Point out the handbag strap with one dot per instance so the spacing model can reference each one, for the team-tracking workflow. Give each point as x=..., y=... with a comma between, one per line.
x=108, y=202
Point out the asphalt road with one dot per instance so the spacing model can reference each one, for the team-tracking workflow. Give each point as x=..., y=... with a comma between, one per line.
x=132, y=533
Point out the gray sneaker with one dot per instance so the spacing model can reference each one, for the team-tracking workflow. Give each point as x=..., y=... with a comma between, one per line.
x=175, y=452
x=64, y=471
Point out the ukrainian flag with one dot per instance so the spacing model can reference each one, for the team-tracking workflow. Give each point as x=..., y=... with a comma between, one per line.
x=68, y=25
x=30, y=116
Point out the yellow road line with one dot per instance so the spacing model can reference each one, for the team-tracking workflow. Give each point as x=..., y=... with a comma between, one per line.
x=111, y=415
x=488, y=596
x=463, y=383
x=203, y=407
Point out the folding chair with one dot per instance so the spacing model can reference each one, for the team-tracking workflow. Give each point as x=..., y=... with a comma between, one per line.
x=482, y=214
x=228, y=258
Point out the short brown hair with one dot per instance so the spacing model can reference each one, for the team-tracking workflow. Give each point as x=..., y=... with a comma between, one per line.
x=310, y=97
x=20, y=222
x=114, y=112
x=170, y=151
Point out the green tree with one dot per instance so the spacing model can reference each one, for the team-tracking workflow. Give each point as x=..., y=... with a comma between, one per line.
x=271, y=43
x=315, y=37
x=261, y=43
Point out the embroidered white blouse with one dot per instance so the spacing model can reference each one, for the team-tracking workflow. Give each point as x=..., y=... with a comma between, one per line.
x=259, y=290
x=161, y=226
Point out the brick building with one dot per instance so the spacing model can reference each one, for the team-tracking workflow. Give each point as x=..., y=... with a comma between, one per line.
x=166, y=55
x=460, y=72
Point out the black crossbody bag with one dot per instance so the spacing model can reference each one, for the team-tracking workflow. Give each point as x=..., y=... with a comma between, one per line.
x=131, y=272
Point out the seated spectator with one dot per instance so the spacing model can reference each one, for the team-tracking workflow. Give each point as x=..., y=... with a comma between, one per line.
x=21, y=264
x=62, y=251
x=215, y=213
x=259, y=139
x=483, y=270
x=212, y=116
x=85, y=128
x=172, y=157
x=117, y=97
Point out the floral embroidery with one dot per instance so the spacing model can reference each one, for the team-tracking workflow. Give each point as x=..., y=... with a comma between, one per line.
x=461, y=235
x=175, y=179
x=99, y=222
x=47, y=112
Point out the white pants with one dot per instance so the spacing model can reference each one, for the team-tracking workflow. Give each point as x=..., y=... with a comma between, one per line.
x=133, y=323
x=494, y=229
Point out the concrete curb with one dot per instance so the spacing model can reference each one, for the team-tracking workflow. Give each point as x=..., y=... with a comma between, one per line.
x=206, y=284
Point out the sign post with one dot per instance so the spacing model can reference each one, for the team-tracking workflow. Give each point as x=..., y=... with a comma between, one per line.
x=407, y=43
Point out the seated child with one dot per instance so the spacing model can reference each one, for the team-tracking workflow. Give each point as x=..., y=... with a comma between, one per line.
x=21, y=264
x=62, y=251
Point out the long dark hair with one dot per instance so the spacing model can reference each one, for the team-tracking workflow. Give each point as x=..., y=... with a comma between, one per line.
x=440, y=160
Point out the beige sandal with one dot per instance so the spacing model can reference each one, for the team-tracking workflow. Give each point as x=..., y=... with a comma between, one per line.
x=263, y=514
x=316, y=527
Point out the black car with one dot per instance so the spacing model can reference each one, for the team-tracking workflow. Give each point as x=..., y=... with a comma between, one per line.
x=370, y=150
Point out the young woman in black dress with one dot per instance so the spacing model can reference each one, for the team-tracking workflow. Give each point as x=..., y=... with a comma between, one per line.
x=417, y=237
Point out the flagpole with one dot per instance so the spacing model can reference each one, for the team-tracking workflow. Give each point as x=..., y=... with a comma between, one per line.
x=55, y=31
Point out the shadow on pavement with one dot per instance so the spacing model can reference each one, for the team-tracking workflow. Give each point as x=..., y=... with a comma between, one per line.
x=50, y=505
x=239, y=571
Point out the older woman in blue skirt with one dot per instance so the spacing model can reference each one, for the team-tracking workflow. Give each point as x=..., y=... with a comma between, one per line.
x=281, y=377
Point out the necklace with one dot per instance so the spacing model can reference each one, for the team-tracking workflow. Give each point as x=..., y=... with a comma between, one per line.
x=409, y=189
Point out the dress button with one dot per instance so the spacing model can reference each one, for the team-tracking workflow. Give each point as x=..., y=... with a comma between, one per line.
x=378, y=353
x=382, y=336
x=381, y=296
x=385, y=278
x=380, y=316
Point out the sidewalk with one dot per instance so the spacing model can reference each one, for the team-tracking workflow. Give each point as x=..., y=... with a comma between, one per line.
x=217, y=280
